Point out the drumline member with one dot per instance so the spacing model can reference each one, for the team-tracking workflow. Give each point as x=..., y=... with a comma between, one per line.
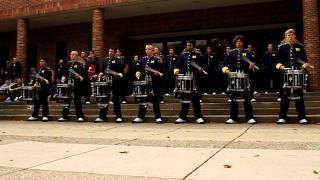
x=169, y=62
x=42, y=84
x=211, y=65
x=157, y=53
x=113, y=63
x=224, y=77
x=77, y=78
x=270, y=76
x=292, y=54
x=140, y=72
x=183, y=67
x=86, y=78
x=234, y=63
x=125, y=80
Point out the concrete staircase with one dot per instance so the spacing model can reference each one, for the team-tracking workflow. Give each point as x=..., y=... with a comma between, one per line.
x=215, y=109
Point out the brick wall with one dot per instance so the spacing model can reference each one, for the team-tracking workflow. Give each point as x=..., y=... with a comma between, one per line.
x=115, y=35
x=10, y=9
x=311, y=38
x=116, y=30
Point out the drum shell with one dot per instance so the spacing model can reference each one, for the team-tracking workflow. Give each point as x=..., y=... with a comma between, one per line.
x=294, y=79
x=185, y=85
x=142, y=89
x=28, y=93
x=64, y=91
x=238, y=82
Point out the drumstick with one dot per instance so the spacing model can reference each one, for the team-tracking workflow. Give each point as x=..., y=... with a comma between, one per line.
x=246, y=59
x=147, y=68
x=194, y=64
x=303, y=62
x=109, y=71
x=72, y=71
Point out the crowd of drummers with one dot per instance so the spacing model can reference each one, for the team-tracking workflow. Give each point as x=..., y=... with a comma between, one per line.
x=239, y=74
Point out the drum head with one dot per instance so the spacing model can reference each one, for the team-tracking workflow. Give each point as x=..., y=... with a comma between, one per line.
x=137, y=83
x=62, y=85
x=28, y=88
x=185, y=78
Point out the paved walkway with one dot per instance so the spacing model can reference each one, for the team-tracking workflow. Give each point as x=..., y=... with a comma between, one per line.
x=52, y=150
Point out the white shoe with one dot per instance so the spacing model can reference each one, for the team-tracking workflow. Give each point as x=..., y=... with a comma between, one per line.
x=167, y=94
x=98, y=120
x=229, y=100
x=205, y=94
x=16, y=99
x=214, y=93
x=119, y=120
x=266, y=92
x=88, y=102
x=303, y=121
x=159, y=120
x=45, y=119
x=8, y=100
x=32, y=118
x=252, y=121
x=255, y=92
x=137, y=120
x=80, y=120
x=223, y=93
x=278, y=99
x=253, y=100
x=200, y=121
x=231, y=121
x=200, y=101
x=281, y=121
x=62, y=119
x=110, y=102
x=161, y=102
x=124, y=102
x=179, y=120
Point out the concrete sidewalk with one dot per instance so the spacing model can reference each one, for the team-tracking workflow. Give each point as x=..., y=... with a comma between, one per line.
x=37, y=150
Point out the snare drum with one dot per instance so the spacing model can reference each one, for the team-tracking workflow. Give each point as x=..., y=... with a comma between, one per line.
x=238, y=82
x=101, y=89
x=28, y=93
x=64, y=91
x=185, y=84
x=142, y=89
x=294, y=79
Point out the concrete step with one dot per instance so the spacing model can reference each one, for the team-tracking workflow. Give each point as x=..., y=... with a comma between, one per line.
x=164, y=111
x=171, y=119
x=53, y=105
x=221, y=99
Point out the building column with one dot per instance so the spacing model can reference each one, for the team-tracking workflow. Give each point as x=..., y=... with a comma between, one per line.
x=21, y=50
x=97, y=33
x=311, y=40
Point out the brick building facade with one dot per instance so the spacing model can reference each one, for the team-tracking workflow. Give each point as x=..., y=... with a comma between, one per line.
x=31, y=29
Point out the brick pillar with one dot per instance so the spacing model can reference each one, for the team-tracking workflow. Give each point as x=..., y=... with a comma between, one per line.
x=97, y=33
x=311, y=40
x=21, y=50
